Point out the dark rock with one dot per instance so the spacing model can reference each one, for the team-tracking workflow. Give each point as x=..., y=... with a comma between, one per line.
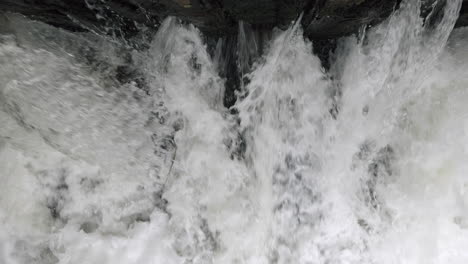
x=463, y=18
x=323, y=49
x=323, y=19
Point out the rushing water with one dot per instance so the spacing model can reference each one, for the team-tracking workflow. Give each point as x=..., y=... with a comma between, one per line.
x=364, y=163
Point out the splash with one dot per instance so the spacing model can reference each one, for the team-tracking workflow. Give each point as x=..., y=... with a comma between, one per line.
x=115, y=155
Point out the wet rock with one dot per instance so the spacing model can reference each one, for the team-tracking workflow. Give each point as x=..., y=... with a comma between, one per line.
x=334, y=18
x=463, y=18
x=118, y=18
x=322, y=19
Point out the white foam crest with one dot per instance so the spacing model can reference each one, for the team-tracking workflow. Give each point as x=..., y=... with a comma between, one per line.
x=78, y=153
x=285, y=114
x=346, y=167
x=208, y=191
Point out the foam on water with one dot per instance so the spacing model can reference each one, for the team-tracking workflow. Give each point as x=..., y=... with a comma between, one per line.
x=361, y=164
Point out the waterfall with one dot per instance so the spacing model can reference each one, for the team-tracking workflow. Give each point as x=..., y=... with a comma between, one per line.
x=116, y=154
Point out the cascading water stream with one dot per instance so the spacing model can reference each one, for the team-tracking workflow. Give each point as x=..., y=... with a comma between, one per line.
x=364, y=163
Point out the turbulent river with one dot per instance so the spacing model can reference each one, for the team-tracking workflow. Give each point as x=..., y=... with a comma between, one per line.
x=366, y=162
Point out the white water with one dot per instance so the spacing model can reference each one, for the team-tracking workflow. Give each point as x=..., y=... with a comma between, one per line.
x=364, y=164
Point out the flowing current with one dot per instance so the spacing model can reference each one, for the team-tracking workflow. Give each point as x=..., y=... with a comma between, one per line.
x=363, y=163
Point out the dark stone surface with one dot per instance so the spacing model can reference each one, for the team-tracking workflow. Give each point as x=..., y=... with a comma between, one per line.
x=335, y=18
x=119, y=18
x=322, y=19
x=463, y=18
